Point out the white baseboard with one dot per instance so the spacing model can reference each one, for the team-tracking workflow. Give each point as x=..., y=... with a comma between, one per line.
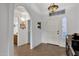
x=62, y=45
x=59, y=44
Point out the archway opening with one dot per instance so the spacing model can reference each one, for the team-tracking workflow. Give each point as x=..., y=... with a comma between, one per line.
x=21, y=35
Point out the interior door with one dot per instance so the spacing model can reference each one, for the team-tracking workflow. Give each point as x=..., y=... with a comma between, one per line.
x=54, y=27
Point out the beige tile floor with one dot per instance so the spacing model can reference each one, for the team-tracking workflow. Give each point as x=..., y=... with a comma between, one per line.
x=41, y=50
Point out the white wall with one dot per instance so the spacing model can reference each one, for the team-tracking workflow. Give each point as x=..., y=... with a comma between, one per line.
x=73, y=19
x=36, y=33
x=5, y=35
x=45, y=32
x=22, y=34
x=10, y=29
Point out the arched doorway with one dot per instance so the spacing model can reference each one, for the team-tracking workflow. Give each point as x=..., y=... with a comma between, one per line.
x=21, y=26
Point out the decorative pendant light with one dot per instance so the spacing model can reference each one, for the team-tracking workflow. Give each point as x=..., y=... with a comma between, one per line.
x=53, y=7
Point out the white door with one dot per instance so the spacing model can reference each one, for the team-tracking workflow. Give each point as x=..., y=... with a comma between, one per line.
x=54, y=27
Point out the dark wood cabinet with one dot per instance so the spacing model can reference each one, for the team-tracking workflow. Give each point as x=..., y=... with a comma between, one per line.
x=15, y=39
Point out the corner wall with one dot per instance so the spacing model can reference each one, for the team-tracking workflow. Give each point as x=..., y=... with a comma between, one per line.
x=36, y=32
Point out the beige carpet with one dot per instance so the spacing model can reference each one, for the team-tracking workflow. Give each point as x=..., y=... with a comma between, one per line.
x=41, y=50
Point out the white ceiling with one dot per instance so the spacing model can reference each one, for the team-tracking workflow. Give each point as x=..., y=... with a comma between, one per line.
x=42, y=8
x=20, y=12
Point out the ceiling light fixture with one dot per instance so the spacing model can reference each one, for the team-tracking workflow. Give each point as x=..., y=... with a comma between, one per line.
x=53, y=7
